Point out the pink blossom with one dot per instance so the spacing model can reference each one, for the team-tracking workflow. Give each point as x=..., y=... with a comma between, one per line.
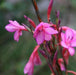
x=43, y=32
x=14, y=26
x=33, y=60
x=69, y=41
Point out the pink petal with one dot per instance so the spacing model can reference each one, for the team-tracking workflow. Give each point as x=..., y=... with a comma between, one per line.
x=28, y=69
x=10, y=28
x=62, y=67
x=50, y=30
x=40, y=37
x=64, y=44
x=73, y=43
x=35, y=56
x=38, y=26
x=47, y=37
x=37, y=60
x=17, y=25
x=64, y=28
x=34, y=52
x=74, y=36
x=60, y=62
x=14, y=26
x=35, y=34
x=33, y=60
x=71, y=51
x=69, y=34
x=45, y=25
x=20, y=33
x=63, y=37
x=16, y=35
x=14, y=23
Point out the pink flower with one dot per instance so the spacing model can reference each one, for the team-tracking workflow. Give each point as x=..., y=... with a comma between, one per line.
x=33, y=60
x=43, y=32
x=69, y=41
x=14, y=26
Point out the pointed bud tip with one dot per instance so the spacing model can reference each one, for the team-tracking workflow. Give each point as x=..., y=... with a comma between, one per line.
x=25, y=17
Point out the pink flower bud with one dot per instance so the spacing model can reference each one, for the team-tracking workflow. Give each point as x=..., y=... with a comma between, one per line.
x=49, y=9
x=60, y=62
x=30, y=21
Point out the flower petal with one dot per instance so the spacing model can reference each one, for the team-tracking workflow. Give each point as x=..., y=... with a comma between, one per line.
x=63, y=36
x=64, y=44
x=69, y=34
x=17, y=25
x=73, y=43
x=16, y=35
x=62, y=67
x=28, y=69
x=46, y=25
x=14, y=23
x=71, y=51
x=50, y=30
x=37, y=60
x=47, y=37
x=40, y=37
x=60, y=62
x=64, y=28
x=10, y=28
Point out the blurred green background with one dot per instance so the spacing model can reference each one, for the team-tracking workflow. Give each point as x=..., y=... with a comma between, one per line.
x=14, y=55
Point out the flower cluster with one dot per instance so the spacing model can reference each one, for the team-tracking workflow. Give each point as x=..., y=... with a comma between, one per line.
x=51, y=38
